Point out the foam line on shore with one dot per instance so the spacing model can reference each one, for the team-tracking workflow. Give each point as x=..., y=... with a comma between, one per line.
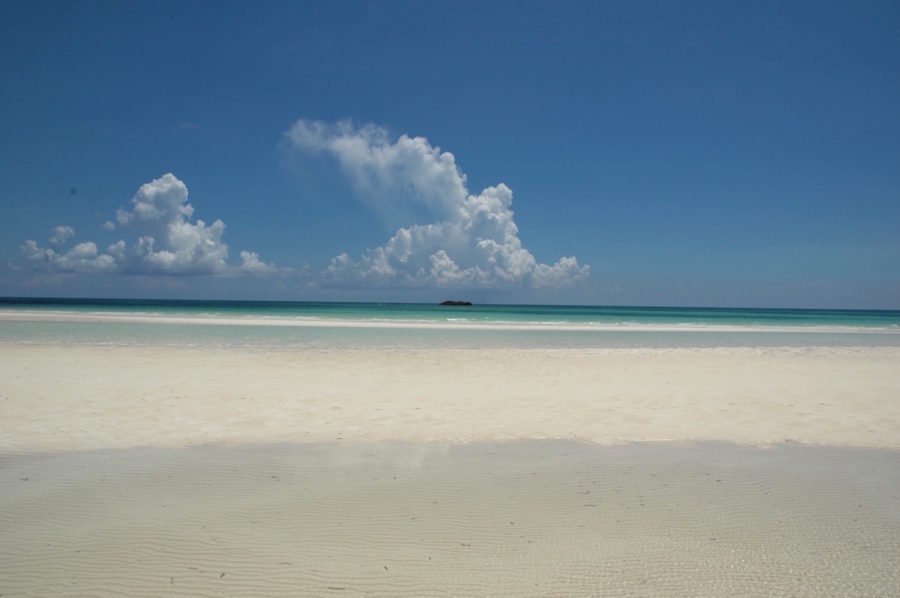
x=449, y=323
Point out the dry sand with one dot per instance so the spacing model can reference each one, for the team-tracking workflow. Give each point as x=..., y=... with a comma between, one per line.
x=403, y=472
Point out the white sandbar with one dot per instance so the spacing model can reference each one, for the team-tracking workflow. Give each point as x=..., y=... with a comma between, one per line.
x=62, y=398
x=101, y=317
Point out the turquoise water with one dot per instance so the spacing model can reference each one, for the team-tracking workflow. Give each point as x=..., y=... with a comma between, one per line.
x=386, y=325
x=521, y=314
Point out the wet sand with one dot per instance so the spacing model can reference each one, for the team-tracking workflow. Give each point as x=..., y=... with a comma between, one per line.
x=536, y=518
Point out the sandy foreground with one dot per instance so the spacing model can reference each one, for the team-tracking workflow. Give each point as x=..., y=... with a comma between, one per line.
x=703, y=472
x=537, y=518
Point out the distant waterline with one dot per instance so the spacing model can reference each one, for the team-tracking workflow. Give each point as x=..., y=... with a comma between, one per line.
x=414, y=325
x=499, y=314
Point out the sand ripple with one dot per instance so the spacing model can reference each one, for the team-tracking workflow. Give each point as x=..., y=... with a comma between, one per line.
x=519, y=519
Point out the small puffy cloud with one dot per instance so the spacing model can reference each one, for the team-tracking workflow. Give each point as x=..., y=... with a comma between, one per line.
x=251, y=264
x=473, y=240
x=169, y=242
x=61, y=234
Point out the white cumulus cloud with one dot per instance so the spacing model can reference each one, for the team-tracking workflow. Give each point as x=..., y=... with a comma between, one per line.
x=168, y=242
x=84, y=257
x=473, y=240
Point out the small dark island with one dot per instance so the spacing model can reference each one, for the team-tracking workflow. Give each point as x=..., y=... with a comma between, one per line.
x=457, y=303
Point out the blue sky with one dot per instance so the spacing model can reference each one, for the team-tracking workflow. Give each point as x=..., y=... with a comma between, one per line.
x=649, y=153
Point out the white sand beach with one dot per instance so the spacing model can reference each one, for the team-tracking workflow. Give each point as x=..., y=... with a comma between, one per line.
x=147, y=471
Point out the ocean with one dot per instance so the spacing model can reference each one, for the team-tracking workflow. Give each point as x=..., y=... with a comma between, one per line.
x=410, y=325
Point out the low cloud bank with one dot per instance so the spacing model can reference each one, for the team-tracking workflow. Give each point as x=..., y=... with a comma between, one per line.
x=168, y=241
x=449, y=237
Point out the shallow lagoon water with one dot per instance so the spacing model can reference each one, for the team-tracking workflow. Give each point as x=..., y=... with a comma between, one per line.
x=511, y=314
x=255, y=332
